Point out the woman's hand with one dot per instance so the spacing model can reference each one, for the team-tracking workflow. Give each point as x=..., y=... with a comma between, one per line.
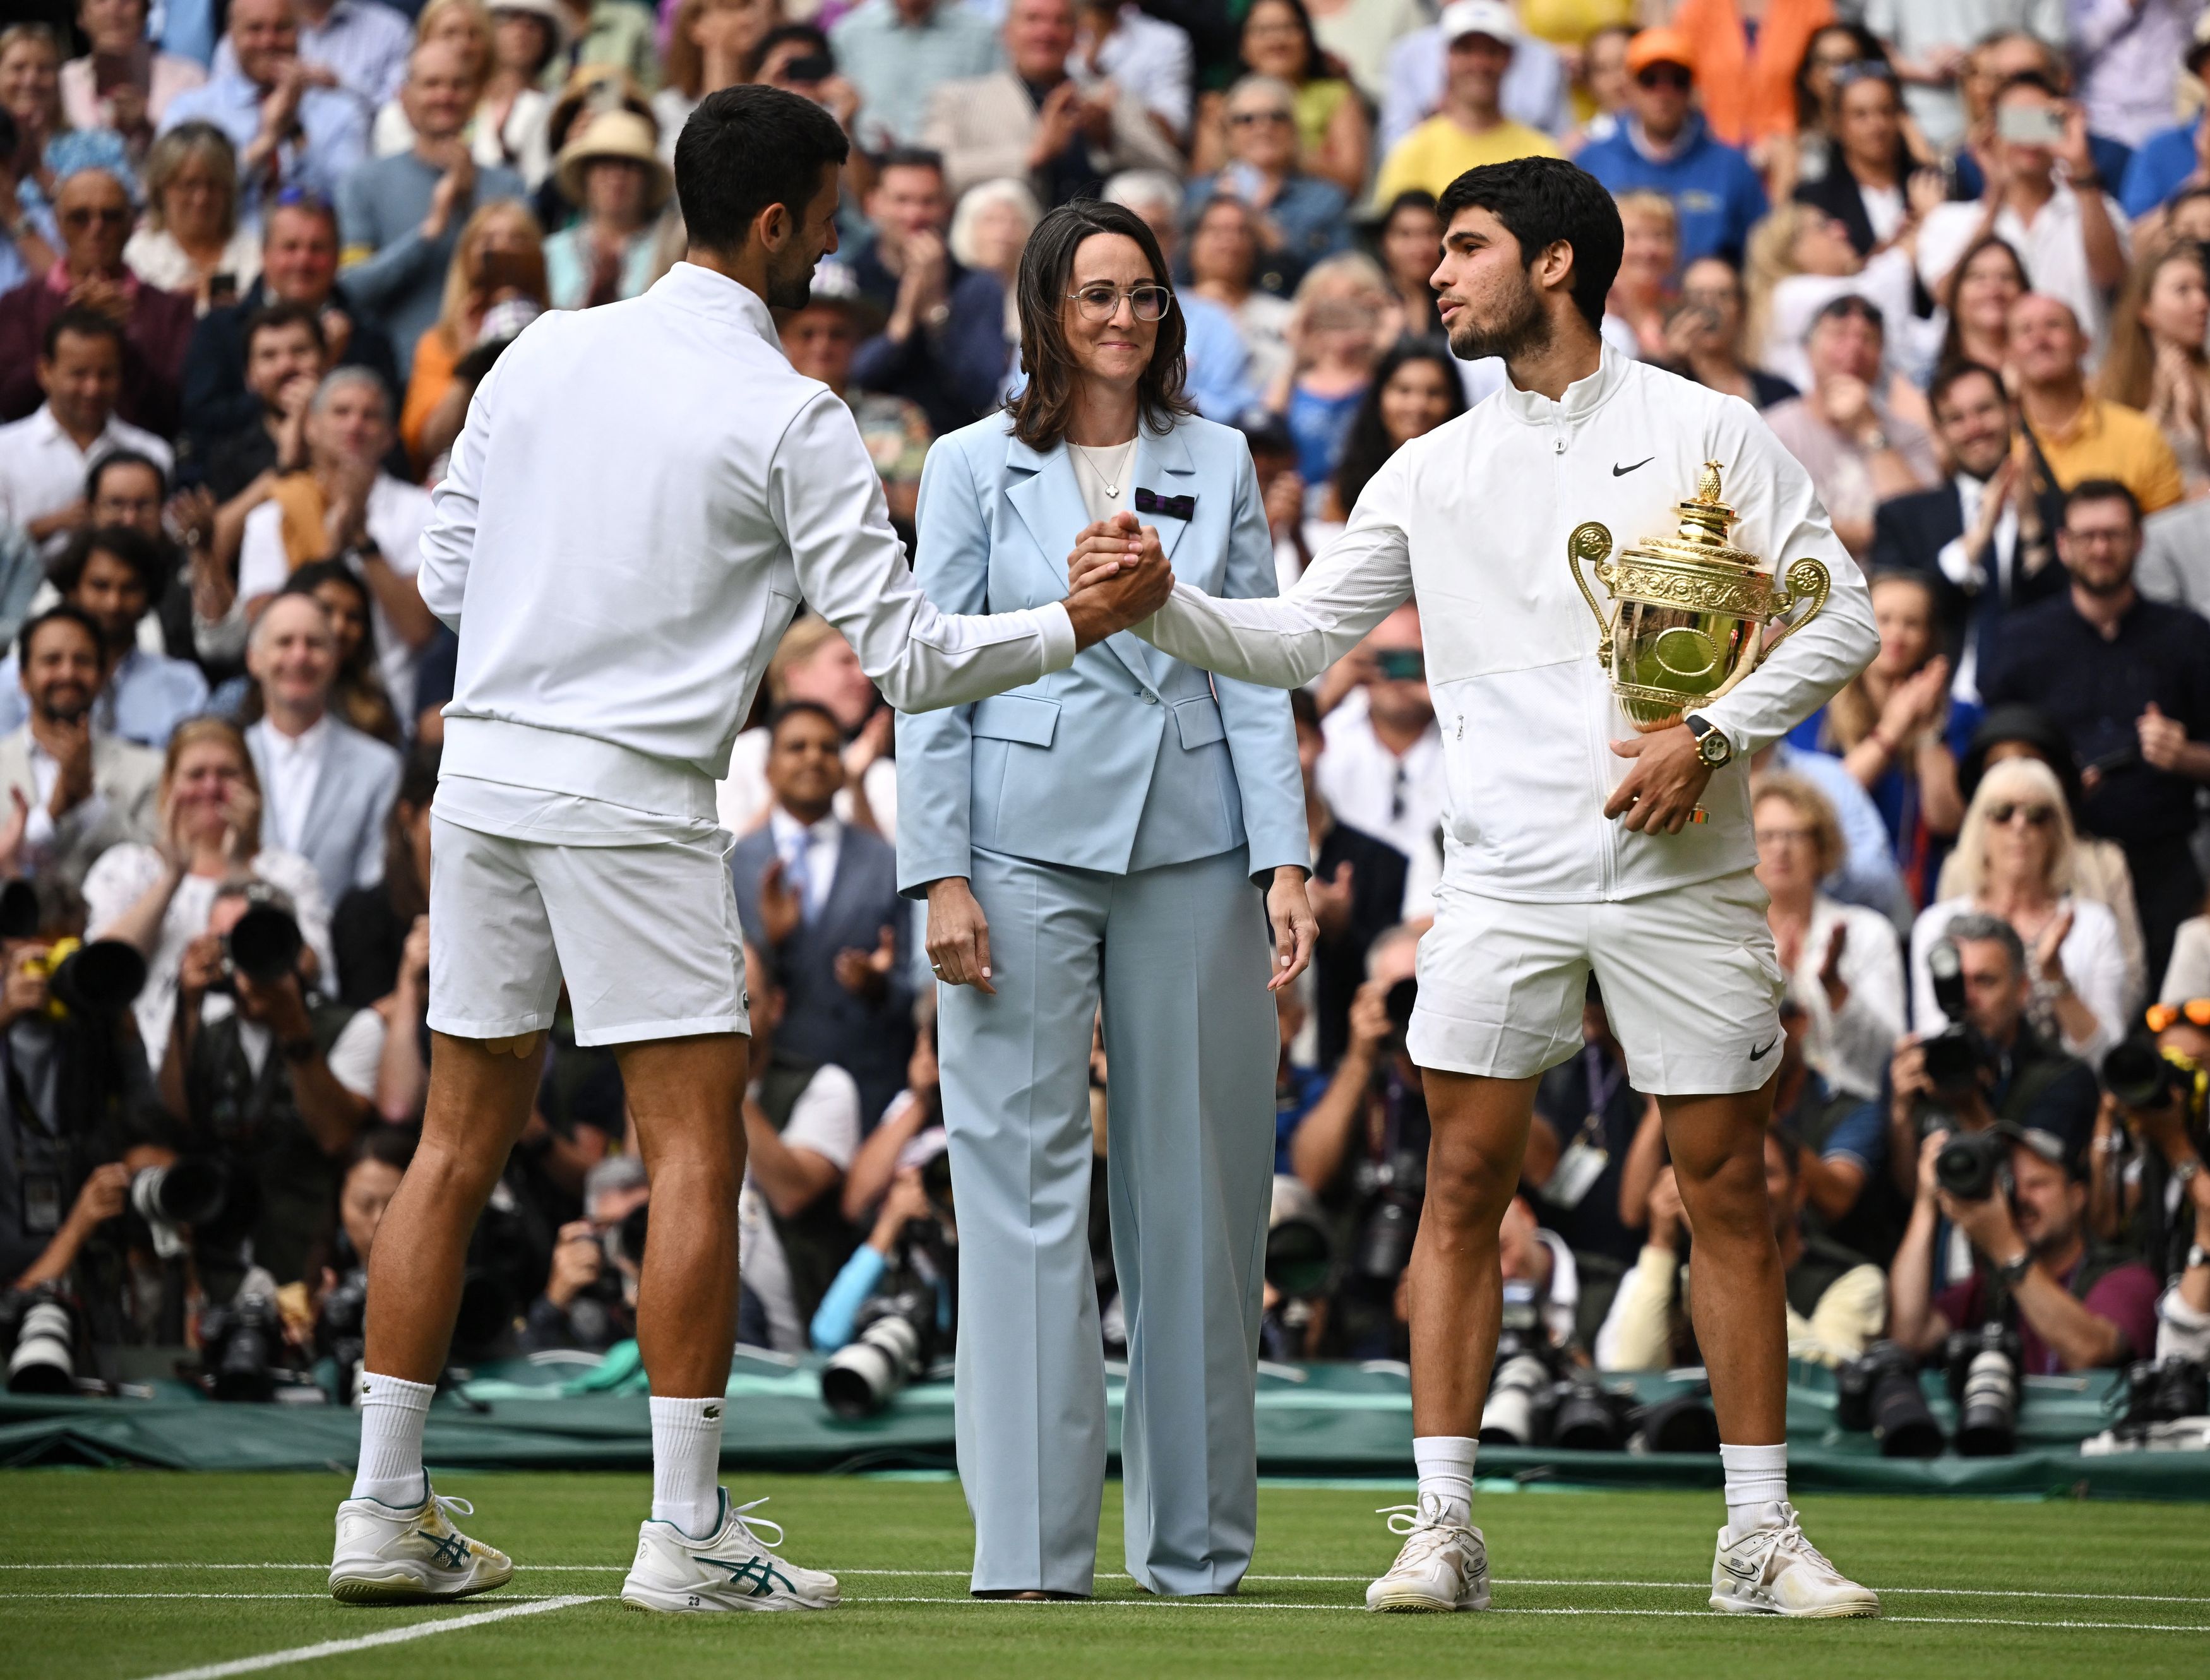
x=1295, y=928
x=958, y=937
x=2049, y=948
x=1103, y=550
x=241, y=810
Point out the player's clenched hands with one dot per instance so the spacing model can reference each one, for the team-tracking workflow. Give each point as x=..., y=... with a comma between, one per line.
x=1667, y=778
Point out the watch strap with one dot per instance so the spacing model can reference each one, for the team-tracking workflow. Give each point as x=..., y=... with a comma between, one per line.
x=2013, y=1270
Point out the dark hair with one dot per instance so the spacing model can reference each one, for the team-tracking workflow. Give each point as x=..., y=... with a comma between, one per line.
x=85, y=324
x=63, y=614
x=391, y=1145
x=1315, y=62
x=133, y=548
x=2102, y=490
x=1951, y=375
x=310, y=577
x=746, y=148
x=123, y=457
x=2035, y=728
x=910, y=157
x=1410, y=198
x=1042, y=411
x=1368, y=444
x=1953, y=339
x=2040, y=80
x=792, y=32
x=1304, y=711
x=403, y=885
x=1543, y=202
x=1868, y=49
x=1849, y=303
x=790, y=708
x=276, y=314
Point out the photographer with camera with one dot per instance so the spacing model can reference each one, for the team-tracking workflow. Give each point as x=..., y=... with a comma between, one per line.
x=589, y=1299
x=1362, y=1150
x=2160, y=1095
x=278, y=1085
x=2020, y=1197
x=892, y=1311
x=1987, y=1064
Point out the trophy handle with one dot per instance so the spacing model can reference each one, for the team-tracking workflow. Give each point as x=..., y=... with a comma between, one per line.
x=1592, y=542
x=1808, y=580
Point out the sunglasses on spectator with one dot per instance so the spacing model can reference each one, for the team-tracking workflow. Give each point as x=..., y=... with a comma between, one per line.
x=1102, y=303
x=2039, y=816
x=1244, y=120
x=104, y=215
x=1666, y=76
x=2195, y=1012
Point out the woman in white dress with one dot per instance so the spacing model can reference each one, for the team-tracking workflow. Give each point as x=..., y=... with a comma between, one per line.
x=157, y=897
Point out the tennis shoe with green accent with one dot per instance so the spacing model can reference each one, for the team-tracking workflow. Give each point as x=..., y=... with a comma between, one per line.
x=731, y=1569
x=389, y=1555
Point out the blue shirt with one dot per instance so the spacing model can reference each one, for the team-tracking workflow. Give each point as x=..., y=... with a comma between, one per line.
x=1313, y=214
x=1868, y=875
x=1219, y=366
x=2159, y=168
x=1306, y=1087
x=896, y=65
x=333, y=125
x=363, y=43
x=1713, y=186
x=145, y=699
x=1319, y=425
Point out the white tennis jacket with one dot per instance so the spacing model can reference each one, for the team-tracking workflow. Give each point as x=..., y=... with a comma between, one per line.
x=1470, y=522
x=640, y=496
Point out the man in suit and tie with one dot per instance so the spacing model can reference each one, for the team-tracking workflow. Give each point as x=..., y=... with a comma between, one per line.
x=1985, y=543
x=822, y=896
x=75, y=789
x=328, y=786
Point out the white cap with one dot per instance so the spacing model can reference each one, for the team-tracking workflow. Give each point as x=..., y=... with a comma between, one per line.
x=1492, y=18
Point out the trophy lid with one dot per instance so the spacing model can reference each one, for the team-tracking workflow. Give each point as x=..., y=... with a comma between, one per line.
x=1706, y=522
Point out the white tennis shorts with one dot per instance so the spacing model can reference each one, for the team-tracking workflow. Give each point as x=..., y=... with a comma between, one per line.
x=1690, y=980
x=646, y=936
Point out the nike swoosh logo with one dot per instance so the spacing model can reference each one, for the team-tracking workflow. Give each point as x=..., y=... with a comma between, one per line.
x=1760, y=1055
x=1618, y=471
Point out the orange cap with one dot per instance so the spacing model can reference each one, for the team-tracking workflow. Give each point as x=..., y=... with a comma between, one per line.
x=1659, y=46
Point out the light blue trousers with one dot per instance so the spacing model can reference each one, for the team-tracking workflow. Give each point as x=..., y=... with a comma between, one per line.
x=1179, y=954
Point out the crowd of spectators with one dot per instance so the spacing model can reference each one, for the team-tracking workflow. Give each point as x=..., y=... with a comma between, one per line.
x=255, y=259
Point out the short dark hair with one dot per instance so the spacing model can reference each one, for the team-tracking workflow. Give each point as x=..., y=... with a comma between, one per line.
x=85, y=324
x=1304, y=711
x=1849, y=303
x=790, y=708
x=63, y=614
x=133, y=548
x=747, y=147
x=792, y=32
x=1046, y=405
x=1953, y=374
x=910, y=157
x=1543, y=202
x=2102, y=490
x=276, y=314
x=124, y=457
x=2036, y=79
x=391, y=1145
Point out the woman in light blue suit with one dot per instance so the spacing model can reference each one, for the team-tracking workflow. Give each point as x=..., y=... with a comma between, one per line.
x=1095, y=836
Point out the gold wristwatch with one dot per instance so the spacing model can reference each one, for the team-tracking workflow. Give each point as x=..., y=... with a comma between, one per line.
x=1712, y=745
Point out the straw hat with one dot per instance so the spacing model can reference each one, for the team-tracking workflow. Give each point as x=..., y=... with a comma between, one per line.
x=614, y=134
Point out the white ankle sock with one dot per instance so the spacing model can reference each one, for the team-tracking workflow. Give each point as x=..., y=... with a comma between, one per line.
x=1446, y=1463
x=392, y=1413
x=1756, y=1478
x=686, y=1461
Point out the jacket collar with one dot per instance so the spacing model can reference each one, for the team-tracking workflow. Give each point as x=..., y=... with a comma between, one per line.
x=1582, y=398
x=702, y=292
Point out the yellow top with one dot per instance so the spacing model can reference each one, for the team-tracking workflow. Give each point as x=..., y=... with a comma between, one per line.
x=1439, y=151
x=1317, y=102
x=2110, y=440
x=1571, y=23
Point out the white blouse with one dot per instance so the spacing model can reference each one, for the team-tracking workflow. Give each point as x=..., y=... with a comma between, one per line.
x=2094, y=962
x=123, y=874
x=1850, y=1048
x=160, y=261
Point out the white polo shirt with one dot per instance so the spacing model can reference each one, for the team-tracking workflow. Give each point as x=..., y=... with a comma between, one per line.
x=2051, y=247
x=42, y=470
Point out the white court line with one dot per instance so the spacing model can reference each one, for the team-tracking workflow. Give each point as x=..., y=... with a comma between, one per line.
x=241, y=1597
x=1324, y=1580
x=338, y=1647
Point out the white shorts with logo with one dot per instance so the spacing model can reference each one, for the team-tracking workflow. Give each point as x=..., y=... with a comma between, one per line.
x=646, y=936
x=1691, y=983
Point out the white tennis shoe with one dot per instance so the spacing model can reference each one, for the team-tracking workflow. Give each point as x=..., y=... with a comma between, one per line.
x=731, y=1569
x=1772, y=1570
x=1442, y=1565
x=386, y=1554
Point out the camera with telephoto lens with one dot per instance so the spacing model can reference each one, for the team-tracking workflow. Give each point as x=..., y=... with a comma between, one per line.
x=2146, y=1077
x=264, y=944
x=1300, y=1255
x=1954, y=1056
x=192, y=1190
x=241, y=1349
x=1983, y=1371
x=97, y=981
x=1972, y=1165
x=2164, y=1390
x=341, y=1333
x=1879, y=1391
x=1523, y=1392
x=1586, y=1417
x=895, y=1341
x=38, y=1328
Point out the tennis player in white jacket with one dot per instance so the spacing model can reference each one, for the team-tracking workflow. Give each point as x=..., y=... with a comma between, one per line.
x=1568, y=843
x=642, y=495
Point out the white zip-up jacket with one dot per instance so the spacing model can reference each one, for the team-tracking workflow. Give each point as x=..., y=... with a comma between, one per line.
x=1470, y=521
x=640, y=496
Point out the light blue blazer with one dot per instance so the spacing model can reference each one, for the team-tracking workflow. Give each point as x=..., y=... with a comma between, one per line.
x=1127, y=760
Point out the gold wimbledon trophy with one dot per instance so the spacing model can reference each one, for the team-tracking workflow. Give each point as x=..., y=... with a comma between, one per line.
x=1690, y=613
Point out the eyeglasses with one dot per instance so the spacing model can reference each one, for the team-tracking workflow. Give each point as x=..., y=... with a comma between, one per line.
x=2195, y=1012
x=2038, y=816
x=89, y=215
x=1666, y=76
x=1787, y=836
x=1103, y=303
x=1244, y=120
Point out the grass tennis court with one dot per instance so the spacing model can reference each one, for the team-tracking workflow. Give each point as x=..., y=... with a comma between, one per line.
x=221, y=1573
